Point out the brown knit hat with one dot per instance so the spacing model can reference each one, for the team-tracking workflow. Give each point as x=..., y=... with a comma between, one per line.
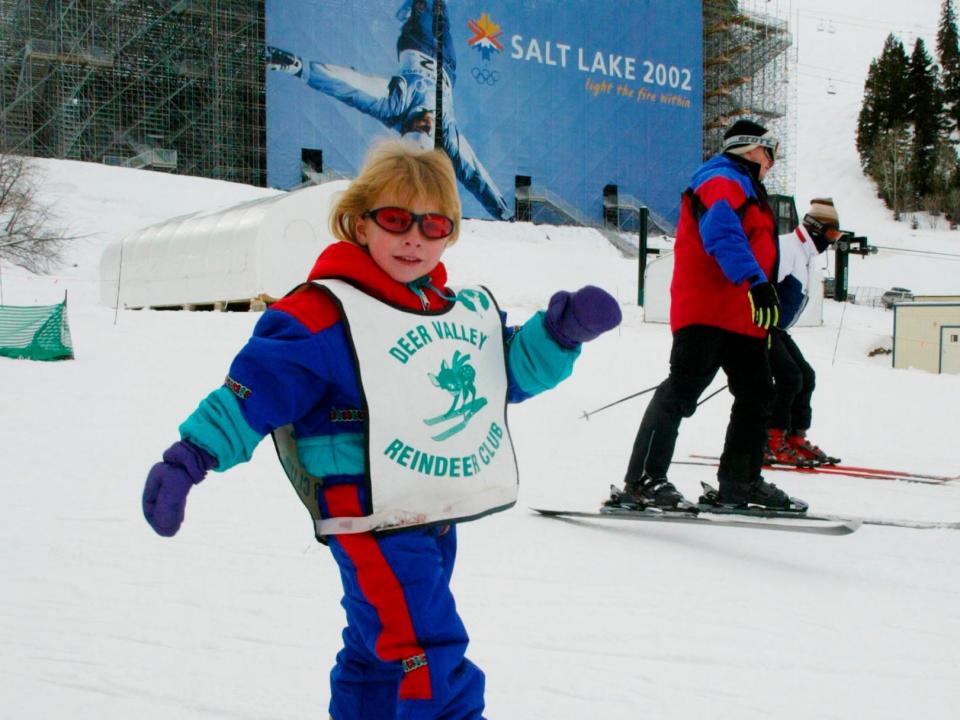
x=823, y=210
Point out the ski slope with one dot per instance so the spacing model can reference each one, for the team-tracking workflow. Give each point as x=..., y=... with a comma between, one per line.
x=239, y=617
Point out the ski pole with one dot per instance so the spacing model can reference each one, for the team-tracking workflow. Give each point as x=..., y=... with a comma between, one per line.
x=839, y=328
x=586, y=415
x=715, y=392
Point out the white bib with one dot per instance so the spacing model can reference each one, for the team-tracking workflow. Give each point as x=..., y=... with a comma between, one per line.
x=434, y=389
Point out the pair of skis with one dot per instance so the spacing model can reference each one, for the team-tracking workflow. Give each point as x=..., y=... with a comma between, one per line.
x=858, y=471
x=799, y=523
x=710, y=512
x=716, y=515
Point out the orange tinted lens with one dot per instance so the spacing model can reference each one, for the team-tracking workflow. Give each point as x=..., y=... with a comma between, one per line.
x=436, y=226
x=393, y=219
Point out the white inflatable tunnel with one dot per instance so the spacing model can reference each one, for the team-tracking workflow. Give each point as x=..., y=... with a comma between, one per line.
x=247, y=254
x=656, y=294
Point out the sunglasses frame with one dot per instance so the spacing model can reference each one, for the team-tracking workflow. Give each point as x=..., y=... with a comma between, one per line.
x=415, y=218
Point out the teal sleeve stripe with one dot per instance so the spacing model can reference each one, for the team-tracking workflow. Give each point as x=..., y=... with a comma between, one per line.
x=537, y=362
x=219, y=427
x=325, y=455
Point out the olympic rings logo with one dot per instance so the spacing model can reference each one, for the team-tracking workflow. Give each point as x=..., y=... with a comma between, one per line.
x=485, y=76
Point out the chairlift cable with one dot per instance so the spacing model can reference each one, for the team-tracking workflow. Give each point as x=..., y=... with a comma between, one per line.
x=917, y=252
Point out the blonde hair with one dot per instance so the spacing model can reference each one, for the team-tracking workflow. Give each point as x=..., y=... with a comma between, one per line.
x=407, y=172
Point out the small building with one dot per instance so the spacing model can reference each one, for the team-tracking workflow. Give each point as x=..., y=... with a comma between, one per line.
x=926, y=335
x=241, y=257
x=937, y=298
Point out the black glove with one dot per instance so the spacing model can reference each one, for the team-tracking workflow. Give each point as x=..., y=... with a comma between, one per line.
x=764, y=305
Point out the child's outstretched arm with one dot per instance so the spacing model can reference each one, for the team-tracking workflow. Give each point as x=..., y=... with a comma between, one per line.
x=281, y=373
x=541, y=353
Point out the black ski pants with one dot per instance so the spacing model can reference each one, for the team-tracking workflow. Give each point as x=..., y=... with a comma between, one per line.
x=794, y=381
x=698, y=352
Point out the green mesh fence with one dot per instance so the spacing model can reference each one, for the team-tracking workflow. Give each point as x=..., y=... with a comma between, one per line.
x=38, y=332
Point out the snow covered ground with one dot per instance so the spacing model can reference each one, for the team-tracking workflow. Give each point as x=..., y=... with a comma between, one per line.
x=238, y=616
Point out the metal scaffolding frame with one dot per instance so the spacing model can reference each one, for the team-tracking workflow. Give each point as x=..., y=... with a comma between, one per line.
x=174, y=85
x=178, y=85
x=748, y=71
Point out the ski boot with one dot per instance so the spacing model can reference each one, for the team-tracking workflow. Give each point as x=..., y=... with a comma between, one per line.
x=807, y=451
x=648, y=493
x=282, y=61
x=757, y=495
x=779, y=452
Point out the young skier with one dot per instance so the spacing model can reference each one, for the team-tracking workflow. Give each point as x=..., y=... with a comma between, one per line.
x=794, y=379
x=353, y=373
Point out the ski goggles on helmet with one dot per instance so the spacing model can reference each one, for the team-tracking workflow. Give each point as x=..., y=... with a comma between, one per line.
x=770, y=145
x=397, y=220
x=818, y=228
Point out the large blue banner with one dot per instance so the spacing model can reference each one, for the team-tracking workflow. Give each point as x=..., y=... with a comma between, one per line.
x=574, y=94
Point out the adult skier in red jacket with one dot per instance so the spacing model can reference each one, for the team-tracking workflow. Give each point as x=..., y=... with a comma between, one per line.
x=722, y=308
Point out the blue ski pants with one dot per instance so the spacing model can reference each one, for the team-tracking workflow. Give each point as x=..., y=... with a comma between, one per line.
x=404, y=643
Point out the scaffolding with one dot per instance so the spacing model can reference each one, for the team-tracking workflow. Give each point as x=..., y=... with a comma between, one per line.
x=747, y=72
x=173, y=85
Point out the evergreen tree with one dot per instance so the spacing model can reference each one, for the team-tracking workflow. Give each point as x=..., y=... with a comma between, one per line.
x=893, y=85
x=925, y=113
x=942, y=197
x=867, y=123
x=884, y=132
x=948, y=52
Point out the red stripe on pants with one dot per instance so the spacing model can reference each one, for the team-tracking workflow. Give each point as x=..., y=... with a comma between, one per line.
x=397, y=640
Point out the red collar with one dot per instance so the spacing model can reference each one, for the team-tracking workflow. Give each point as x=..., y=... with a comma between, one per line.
x=353, y=263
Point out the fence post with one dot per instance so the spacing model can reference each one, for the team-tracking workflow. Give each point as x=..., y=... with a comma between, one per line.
x=841, y=264
x=642, y=259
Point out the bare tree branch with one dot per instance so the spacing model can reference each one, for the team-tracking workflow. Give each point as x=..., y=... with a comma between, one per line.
x=29, y=234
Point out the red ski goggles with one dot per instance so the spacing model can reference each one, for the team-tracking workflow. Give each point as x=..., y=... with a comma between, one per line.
x=397, y=220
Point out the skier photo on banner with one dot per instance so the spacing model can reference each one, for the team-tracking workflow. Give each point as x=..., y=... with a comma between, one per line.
x=339, y=373
x=406, y=101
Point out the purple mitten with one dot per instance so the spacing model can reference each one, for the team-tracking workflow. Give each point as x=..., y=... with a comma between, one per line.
x=574, y=318
x=168, y=482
